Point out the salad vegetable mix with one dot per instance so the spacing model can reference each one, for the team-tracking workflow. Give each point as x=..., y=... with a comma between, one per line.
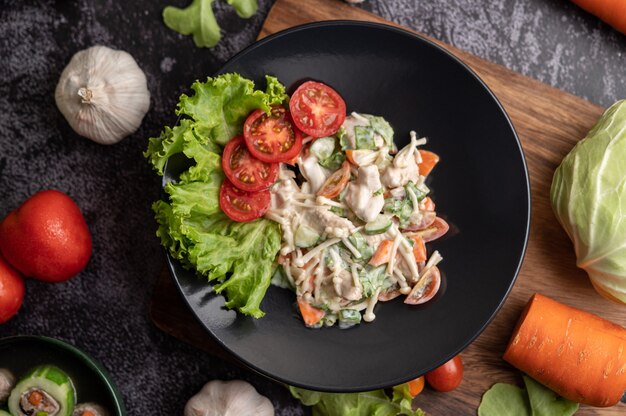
x=294, y=188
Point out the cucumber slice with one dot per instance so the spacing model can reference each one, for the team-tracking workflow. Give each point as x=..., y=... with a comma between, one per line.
x=306, y=236
x=50, y=380
x=323, y=148
x=381, y=224
x=365, y=137
x=348, y=318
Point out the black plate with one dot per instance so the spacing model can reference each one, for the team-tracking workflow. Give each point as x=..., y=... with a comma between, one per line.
x=481, y=187
x=21, y=353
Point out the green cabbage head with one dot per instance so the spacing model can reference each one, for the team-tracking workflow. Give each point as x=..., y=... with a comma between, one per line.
x=589, y=199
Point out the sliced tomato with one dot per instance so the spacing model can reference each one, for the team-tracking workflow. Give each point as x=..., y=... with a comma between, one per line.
x=317, y=109
x=388, y=295
x=429, y=160
x=243, y=206
x=336, y=182
x=419, y=248
x=428, y=217
x=272, y=137
x=423, y=292
x=244, y=170
x=427, y=204
x=436, y=229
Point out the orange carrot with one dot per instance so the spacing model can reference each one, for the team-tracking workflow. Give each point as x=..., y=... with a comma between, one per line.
x=429, y=160
x=577, y=354
x=612, y=12
x=416, y=386
x=419, y=248
x=310, y=314
x=382, y=254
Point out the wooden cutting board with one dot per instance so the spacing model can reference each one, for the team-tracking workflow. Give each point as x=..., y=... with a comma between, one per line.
x=549, y=122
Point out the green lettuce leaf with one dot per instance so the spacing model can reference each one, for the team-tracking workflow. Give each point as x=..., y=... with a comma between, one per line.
x=536, y=400
x=244, y=8
x=197, y=19
x=221, y=104
x=371, y=403
x=238, y=258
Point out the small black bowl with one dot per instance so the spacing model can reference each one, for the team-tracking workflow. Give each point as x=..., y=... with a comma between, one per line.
x=19, y=354
x=480, y=187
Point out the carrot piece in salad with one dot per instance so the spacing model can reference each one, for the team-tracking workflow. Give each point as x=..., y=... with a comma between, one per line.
x=419, y=248
x=310, y=314
x=382, y=254
x=429, y=160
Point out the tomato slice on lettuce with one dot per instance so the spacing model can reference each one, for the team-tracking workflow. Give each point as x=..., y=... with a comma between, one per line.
x=244, y=170
x=242, y=206
x=317, y=109
x=272, y=138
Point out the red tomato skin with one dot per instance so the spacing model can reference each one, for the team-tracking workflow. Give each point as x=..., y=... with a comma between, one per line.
x=229, y=150
x=317, y=131
x=259, y=202
x=448, y=376
x=46, y=238
x=250, y=138
x=11, y=291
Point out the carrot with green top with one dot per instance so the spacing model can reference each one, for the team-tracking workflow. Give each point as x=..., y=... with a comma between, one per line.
x=577, y=354
x=310, y=314
x=612, y=12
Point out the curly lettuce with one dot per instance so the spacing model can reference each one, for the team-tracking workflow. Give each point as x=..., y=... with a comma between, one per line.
x=198, y=19
x=375, y=402
x=237, y=258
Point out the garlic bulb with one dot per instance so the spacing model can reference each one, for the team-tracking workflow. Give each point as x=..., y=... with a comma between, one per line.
x=103, y=94
x=228, y=398
x=7, y=382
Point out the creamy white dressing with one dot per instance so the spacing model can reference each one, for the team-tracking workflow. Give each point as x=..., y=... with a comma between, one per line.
x=326, y=269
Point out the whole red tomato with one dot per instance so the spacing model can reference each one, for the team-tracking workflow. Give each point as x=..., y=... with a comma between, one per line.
x=11, y=291
x=46, y=238
x=446, y=377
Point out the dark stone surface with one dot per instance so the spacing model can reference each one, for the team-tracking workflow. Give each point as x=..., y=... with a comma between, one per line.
x=105, y=310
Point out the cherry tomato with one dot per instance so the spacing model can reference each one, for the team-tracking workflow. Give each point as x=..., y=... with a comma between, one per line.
x=336, y=182
x=317, y=109
x=272, y=138
x=242, y=206
x=11, y=291
x=46, y=237
x=446, y=377
x=245, y=171
x=422, y=293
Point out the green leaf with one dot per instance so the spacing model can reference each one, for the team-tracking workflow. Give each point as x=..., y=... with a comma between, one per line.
x=220, y=105
x=401, y=208
x=545, y=402
x=372, y=278
x=197, y=19
x=505, y=400
x=244, y=8
x=382, y=128
x=237, y=257
x=371, y=403
x=364, y=136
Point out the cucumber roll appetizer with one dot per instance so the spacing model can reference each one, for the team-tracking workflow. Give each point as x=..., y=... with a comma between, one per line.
x=89, y=409
x=44, y=391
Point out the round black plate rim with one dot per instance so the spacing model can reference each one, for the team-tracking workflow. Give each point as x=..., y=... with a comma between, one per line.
x=457, y=61
x=92, y=363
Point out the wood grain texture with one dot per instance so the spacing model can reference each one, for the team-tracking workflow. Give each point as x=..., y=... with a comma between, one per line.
x=549, y=122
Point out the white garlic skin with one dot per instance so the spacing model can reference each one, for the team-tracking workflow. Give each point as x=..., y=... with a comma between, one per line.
x=7, y=382
x=229, y=398
x=103, y=94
